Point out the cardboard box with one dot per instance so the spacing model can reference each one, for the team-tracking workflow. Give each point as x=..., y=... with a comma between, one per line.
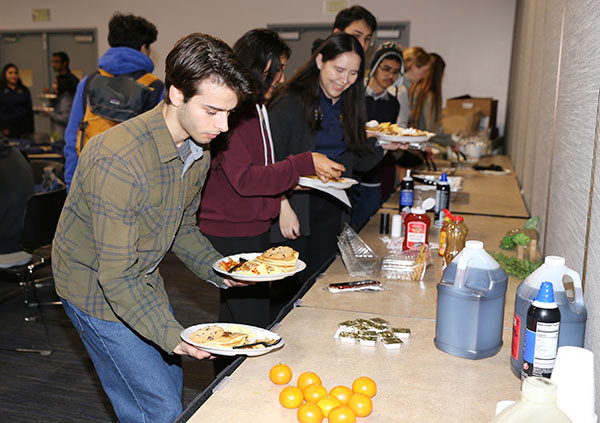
x=464, y=121
x=487, y=105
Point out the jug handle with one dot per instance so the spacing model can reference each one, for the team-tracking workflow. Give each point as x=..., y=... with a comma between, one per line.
x=461, y=270
x=576, y=284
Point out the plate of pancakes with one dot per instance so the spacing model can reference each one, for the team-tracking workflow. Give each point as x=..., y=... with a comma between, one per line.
x=220, y=338
x=313, y=181
x=274, y=264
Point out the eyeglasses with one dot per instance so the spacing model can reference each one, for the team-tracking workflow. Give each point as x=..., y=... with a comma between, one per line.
x=387, y=69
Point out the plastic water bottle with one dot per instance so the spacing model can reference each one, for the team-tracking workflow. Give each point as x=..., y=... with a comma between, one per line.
x=541, y=335
x=572, y=308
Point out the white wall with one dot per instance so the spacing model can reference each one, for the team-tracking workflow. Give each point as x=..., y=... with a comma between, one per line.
x=473, y=36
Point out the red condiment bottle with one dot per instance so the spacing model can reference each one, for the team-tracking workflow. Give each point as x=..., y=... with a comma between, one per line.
x=416, y=227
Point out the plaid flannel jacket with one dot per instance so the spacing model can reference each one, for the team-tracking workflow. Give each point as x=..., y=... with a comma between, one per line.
x=132, y=199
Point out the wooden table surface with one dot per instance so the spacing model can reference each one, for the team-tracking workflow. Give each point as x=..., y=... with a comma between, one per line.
x=408, y=298
x=416, y=383
x=485, y=194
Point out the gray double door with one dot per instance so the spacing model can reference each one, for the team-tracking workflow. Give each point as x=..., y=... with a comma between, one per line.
x=32, y=52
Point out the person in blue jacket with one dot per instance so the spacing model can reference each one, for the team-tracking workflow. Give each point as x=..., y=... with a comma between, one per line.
x=129, y=38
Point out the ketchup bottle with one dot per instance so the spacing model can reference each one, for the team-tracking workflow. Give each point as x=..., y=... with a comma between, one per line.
x=416, y=226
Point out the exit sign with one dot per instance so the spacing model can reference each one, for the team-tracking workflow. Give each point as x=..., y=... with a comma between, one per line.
x=40, y=15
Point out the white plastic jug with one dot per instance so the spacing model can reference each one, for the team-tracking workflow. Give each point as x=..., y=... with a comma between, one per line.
x=470, y=304
x=538, y=404
x=573, y=314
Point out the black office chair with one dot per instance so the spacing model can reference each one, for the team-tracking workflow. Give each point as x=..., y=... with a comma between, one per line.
x=39, y=224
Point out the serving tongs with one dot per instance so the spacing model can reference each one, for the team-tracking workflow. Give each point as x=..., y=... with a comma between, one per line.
x=266, y=344
x=242, y=260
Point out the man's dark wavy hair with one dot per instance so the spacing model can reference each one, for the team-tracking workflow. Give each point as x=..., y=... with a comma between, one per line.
x=131, y=31
x=200, y=57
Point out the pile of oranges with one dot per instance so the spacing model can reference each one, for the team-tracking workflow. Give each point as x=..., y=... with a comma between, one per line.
x=340, y=405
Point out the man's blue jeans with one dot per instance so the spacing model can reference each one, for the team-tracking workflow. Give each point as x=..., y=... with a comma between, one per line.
x=143, y=383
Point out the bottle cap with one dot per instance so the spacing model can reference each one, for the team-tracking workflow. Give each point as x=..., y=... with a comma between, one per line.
x=458, y=218
x=444, y=177
x=555, y=261
x=539, y=389
x=407, y=177
x=428, y=203
x=417, y=210
x=474, y=245
x=447, y=213
x=546, y=293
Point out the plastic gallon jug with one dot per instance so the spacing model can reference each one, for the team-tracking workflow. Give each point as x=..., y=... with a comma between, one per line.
x=470, y=304
x=538, y=404
x=573, y=314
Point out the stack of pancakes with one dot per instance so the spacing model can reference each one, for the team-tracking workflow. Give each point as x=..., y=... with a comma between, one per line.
x=216, y=336
x=283, y=257
x=274, y=260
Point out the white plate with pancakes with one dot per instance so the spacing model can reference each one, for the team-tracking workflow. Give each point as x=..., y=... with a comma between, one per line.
x=250, y=277
x=406, y=138
x=337, y=183
x=219, y=338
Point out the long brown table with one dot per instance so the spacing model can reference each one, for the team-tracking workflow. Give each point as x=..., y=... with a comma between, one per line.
x=482, y=193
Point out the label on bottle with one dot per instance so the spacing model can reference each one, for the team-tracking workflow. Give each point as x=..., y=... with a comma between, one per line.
x=407, y=197
x=442, y=201
x=416, y=234
x=442, y=246
x=539, y=352
x=516, y=336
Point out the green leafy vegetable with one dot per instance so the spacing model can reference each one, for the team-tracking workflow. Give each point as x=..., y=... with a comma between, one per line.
x=532, y=223
x=507, y=243
x=514, y=266
x=521, y=239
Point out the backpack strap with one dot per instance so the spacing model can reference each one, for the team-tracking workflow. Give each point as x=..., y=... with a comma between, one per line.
x=147, y=79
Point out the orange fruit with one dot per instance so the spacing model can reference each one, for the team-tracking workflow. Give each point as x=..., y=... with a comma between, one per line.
x=365, y=385
x=280, y=374
x=361, y=405
x=327, y=403
x=307, y=378
x=310, y=413
x=341, y=414
x=343, y=393
x=291, y=397
x=314, y=392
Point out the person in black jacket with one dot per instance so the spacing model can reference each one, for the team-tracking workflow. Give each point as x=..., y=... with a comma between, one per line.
x=322, y=108
x=16, y=111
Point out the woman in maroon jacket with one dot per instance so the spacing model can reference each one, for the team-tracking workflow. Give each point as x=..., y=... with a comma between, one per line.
x=244, y=185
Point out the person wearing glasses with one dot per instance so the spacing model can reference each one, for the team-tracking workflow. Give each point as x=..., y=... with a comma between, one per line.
x=386, y=72
x=357, y=21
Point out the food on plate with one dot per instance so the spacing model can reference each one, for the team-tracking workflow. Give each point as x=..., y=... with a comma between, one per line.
x=216, y=336
x=389, y=128
x=340, y=180
x=275, y=260
x=207, y=333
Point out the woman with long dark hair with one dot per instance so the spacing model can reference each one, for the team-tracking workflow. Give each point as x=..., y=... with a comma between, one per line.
x=322, y=108
x=243, y=190
x=16, y=111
